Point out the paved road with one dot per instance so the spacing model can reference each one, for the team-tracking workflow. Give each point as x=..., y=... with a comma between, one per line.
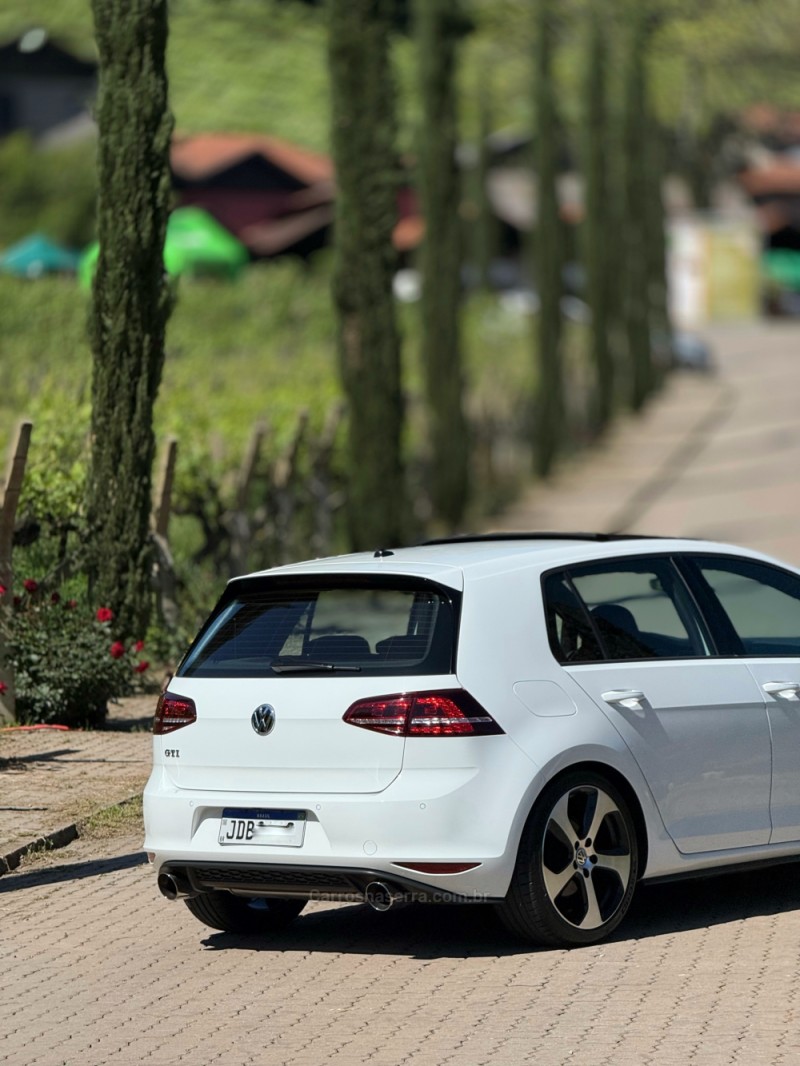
x=715, y=457
x=98, y=969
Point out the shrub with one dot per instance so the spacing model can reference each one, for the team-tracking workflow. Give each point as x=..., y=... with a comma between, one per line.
x=67, y=659
x=52, y=191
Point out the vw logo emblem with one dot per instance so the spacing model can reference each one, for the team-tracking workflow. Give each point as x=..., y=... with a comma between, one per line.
x=263, y=719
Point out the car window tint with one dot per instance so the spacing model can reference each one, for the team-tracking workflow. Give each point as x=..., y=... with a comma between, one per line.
x=641, y=610
x=572, y=638
x=762, y=602
x=263, y=629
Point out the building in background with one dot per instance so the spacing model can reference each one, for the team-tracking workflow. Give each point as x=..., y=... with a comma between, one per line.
x=44, y=88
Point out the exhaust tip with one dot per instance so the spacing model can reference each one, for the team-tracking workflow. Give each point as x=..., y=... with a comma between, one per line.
x=380, y=896
x=173, y=887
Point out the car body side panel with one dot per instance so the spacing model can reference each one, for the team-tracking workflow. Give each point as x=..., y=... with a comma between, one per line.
x=701, y=738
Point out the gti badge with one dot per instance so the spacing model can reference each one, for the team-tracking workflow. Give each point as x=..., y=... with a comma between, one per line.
x=263, y=719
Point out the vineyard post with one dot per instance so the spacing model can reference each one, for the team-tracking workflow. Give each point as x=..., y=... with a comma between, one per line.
x=8, y=514
x=240, y=521
x=165, y=578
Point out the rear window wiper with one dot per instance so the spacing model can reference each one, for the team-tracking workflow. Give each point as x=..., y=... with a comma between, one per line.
x=313, y=668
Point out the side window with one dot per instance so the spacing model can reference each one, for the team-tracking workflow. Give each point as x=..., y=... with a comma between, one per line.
x=762, y=603
x=641, y=609
x=572, y=637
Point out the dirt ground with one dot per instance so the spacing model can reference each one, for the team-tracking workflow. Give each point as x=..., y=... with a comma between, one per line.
x=53, y=780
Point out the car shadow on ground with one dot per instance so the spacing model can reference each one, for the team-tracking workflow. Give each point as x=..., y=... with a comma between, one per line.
x=451, y=931
x=68, y=871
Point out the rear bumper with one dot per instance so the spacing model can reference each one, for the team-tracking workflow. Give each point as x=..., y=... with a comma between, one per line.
x=343, y=884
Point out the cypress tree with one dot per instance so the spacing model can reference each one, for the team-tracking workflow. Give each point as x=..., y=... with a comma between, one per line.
x=131, y=300
x=597, y=230
x=363, y=144
x=635, y=140
x=660, y=327
x=548, y=254
x=485, y=237
x=439, y=28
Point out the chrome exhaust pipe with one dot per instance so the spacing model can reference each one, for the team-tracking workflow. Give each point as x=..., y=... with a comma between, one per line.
x=381, y=897
x=173, y=886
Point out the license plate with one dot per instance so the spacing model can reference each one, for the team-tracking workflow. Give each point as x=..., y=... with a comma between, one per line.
x=247, y=826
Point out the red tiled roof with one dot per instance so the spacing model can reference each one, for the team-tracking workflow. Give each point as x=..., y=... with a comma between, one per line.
x=199, y=156
x=766, y=120
x=278, y=234
x=781, y=177
x=408, y=233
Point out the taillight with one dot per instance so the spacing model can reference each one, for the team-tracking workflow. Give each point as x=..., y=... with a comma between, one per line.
x=449, y=713
x=173, y=712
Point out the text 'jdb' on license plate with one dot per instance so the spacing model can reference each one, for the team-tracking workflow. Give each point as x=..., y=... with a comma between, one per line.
x=249, y=826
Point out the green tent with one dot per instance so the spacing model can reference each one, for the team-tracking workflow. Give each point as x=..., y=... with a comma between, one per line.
x=37, y=255
x=196, y=244
x=782, y=265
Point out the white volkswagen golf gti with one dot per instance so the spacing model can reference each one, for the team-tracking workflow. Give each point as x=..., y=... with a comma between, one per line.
x=534, y=721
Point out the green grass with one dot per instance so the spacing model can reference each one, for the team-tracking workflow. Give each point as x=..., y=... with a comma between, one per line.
x=111, y=821
x=260, y=348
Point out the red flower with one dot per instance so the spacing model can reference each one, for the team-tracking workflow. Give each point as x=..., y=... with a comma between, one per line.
x=117, y=650
x=3, y=590
x=71, y=604
x=138, y=645
x=55, y=597
x=104, y=614
x=141, y=666
x=3, y=687
x=30, y=585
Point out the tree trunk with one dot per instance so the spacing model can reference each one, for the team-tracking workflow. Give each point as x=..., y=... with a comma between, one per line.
x=597, y=231
x=131, y=301
x=363, y=143
x=485, y=227
x=660, y=326
x=635, y=148
x=439, y=28
x=548, y=254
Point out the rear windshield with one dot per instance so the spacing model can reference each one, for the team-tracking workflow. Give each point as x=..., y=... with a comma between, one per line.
x=266, y=627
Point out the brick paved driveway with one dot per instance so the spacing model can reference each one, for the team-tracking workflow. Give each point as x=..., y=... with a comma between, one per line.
x=98, y=968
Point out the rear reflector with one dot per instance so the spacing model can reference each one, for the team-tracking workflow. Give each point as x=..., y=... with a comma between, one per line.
x=173, y=712
x=438, y=867
x=449, y=713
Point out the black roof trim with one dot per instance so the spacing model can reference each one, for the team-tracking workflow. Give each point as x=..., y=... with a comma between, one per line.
x=467, y=538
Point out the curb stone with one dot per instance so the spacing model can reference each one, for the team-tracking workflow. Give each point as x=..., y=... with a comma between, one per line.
x=59, y=838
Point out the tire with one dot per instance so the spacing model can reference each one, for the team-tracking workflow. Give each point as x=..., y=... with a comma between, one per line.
x=577, y=864
x=241, y=914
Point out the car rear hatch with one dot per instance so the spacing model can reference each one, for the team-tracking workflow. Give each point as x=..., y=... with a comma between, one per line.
x=281, y=660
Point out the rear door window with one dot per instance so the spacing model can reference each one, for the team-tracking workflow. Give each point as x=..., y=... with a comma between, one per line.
x=289, y=628
x=636, y=609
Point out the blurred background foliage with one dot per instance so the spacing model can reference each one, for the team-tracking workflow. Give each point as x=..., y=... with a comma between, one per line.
x=263, y=349
x=259, y=65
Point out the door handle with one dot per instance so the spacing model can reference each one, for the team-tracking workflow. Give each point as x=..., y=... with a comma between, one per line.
x=624, y=697
x=783, y=690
